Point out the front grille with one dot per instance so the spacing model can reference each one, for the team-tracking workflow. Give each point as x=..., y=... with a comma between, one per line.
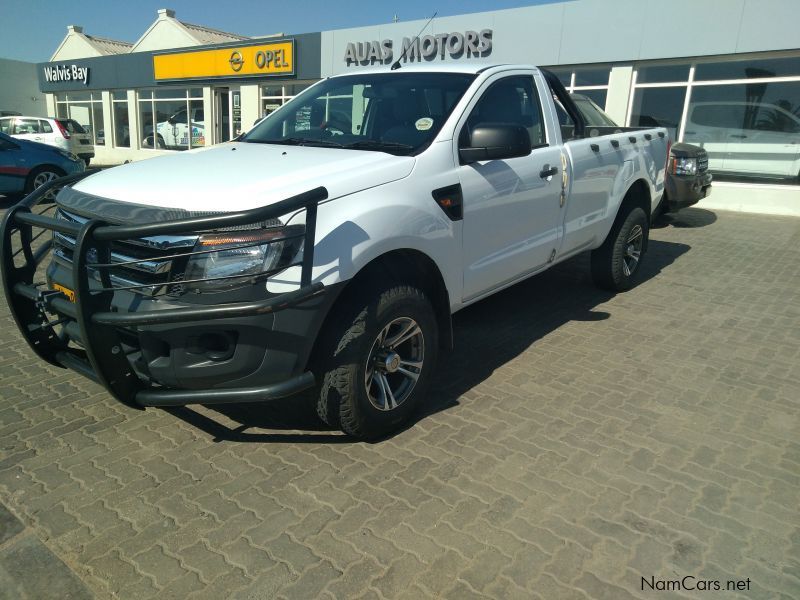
x=158, y=267
x=702, y=162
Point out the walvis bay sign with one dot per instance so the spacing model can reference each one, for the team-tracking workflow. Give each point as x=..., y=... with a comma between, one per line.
x=75, y=73
x=441, y=46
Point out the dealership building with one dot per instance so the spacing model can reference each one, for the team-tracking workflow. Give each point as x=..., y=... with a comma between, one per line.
x=724, y=74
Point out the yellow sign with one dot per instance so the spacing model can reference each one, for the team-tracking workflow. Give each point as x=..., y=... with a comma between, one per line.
x=275, y=58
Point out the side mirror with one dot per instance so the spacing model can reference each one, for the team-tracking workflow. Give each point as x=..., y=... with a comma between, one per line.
x=496, y=142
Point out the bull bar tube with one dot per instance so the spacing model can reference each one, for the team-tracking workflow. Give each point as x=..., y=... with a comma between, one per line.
x=89, y=320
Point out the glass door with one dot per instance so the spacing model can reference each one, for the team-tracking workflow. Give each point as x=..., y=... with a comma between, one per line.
x=223, y=121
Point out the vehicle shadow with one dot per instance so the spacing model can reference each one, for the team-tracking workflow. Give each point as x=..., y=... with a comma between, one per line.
x=688, y=218
x=488, y=335
x=9, y=200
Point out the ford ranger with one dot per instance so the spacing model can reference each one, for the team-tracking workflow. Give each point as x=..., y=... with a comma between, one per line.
x=327, y=248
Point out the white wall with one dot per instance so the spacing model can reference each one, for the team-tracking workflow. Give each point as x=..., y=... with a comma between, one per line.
x=600, y=31
x=165, y=34
x=74, y=46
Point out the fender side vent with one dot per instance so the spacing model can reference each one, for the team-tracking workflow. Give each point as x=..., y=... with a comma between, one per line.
x=450, y=199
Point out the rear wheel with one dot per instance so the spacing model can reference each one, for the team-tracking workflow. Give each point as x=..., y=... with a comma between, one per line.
x=616, y=263
x=376, y=362
x=40, y=176
x=158, y=142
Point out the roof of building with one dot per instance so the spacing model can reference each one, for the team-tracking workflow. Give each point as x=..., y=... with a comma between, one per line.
x=207, y=35
x=108, y=46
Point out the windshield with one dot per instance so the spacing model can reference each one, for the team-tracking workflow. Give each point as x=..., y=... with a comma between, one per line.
x=399, y=113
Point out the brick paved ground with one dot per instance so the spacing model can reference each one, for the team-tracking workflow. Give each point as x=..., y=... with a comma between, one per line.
x=575, y=443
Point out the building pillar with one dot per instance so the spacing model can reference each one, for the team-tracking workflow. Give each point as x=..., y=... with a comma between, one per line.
x=134, y=128
x=210, y=116
x=251, y=105
x=108, y=119
x=619, y=92
x=50, y=104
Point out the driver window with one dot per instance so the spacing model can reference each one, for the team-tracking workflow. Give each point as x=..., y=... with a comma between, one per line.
x=510, y=101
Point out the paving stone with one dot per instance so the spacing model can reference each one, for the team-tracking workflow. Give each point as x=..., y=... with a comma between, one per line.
x=579, y=441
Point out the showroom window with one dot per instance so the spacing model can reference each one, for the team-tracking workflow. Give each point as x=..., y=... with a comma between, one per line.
x=274, y=96
x=745, y=113
x=172, y=118
x=85, y=108
x=588, y=81
x=119, y=104
x=658, y=106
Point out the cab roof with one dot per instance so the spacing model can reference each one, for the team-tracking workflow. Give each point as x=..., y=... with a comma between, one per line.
x=470, y=67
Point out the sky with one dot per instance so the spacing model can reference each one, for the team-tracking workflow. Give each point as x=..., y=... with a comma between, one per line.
x=31, y=30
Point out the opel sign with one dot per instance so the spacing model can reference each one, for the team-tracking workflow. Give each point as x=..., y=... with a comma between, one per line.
x=236, y=61
x=260, y=59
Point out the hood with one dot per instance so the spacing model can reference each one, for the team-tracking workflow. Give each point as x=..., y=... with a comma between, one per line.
x=241, y=176
x=682, y=150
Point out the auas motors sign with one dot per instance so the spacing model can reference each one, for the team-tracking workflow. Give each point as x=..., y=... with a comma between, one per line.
x=67, y=73
x=455, y=45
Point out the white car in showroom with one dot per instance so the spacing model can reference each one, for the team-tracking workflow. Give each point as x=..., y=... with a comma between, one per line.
x=66, y=134
x=174, y=132
x=743, y=138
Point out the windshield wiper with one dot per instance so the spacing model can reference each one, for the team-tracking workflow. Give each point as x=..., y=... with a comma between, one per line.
x=296, y=141
x=378, y=145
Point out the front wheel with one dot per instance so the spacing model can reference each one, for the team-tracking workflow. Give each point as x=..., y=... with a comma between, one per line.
x=377, y=361
x=616, y=263
x=41, y=176
x=154, y=143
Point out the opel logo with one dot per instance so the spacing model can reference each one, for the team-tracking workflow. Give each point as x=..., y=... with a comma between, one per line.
x=236, y=60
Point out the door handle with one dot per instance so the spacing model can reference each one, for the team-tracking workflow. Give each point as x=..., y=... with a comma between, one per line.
x=740, y=137
x=548, y=171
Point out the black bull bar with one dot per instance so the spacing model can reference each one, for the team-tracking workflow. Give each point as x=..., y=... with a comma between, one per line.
x=89, y=319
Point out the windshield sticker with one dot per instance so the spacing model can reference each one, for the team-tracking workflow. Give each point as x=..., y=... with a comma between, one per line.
x=424, y=124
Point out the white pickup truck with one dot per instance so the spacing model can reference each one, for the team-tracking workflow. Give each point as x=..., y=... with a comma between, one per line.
x=327, y=248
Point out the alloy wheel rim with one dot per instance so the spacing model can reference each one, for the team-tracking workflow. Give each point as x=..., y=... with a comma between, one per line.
x=42, y=178
x=633, y=250
x=394, y=364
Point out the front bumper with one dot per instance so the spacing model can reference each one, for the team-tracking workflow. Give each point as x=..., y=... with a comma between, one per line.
x=147, y=352
x=683, y=191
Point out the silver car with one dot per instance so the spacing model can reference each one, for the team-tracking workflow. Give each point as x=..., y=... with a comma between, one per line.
x=66, y=134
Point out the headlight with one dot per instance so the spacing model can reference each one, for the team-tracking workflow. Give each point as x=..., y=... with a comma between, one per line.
x=68, y=155
x=684, y=166
x=231, y=259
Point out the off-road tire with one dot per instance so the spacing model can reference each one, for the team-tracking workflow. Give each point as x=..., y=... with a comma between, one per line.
x=345, y=349
x=608, y=261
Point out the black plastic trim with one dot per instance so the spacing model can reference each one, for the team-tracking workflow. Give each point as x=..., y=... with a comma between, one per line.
x=454, y=211
x=275, y=391
x=205, y=313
